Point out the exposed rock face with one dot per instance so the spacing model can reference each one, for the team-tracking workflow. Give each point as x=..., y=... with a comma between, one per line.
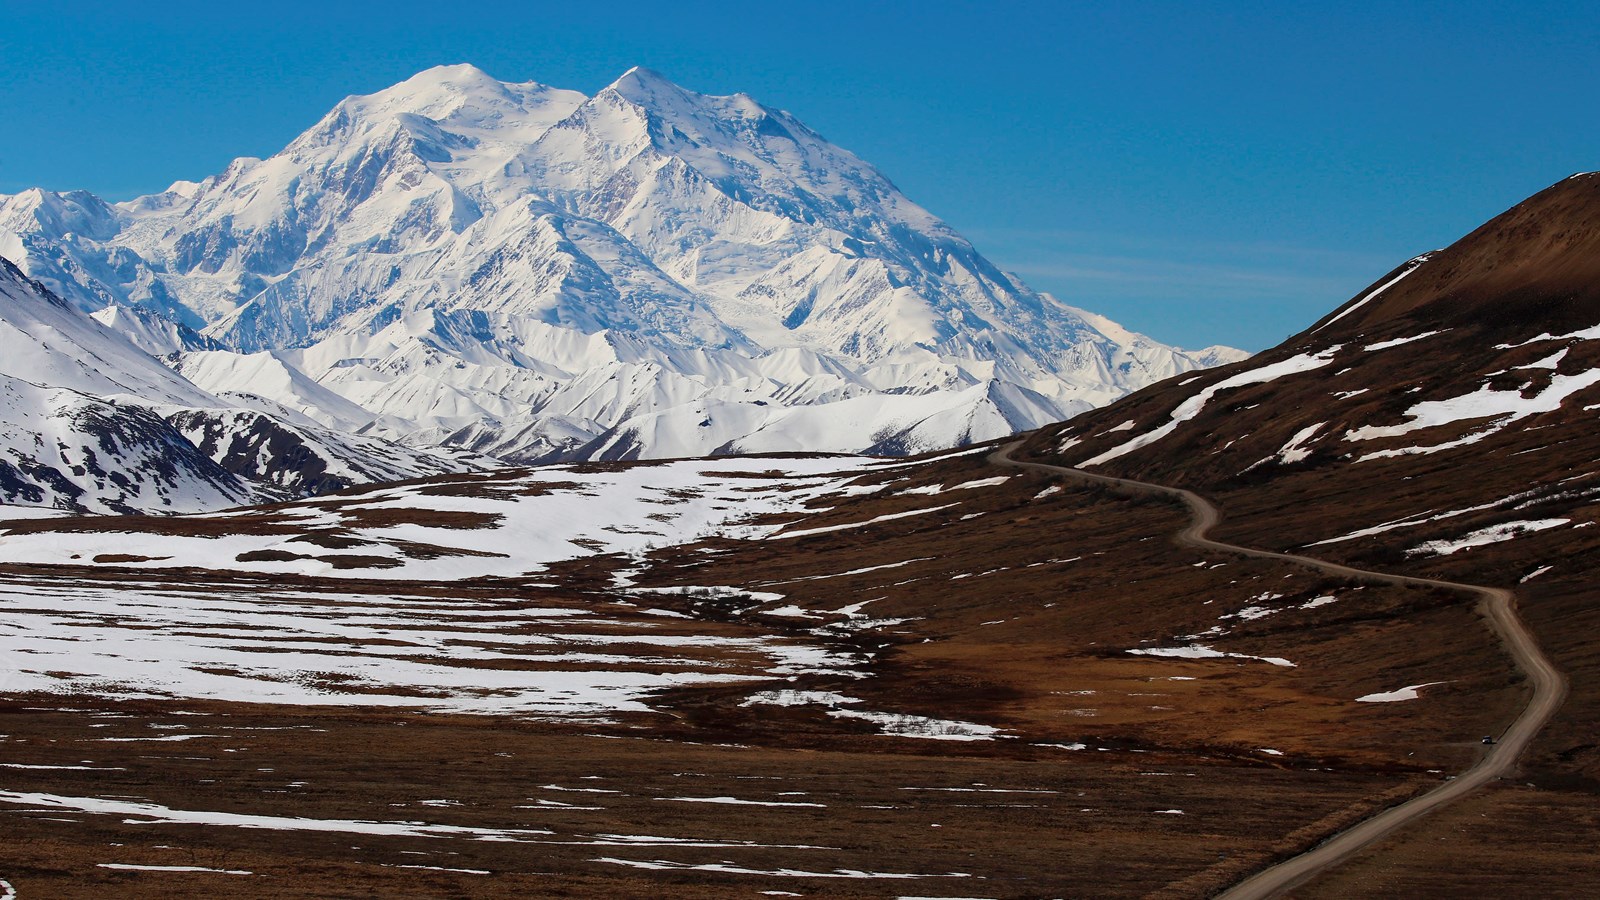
x=92, y=423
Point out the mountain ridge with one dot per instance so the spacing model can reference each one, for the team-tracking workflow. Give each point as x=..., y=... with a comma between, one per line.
x=1439, y=424
x=703, y=236
x=92, y=422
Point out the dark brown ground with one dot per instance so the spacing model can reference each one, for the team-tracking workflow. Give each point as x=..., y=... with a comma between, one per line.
x=1495, y=299
x=1031, y=638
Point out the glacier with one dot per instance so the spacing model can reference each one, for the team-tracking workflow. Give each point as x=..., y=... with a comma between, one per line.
x=536, y=275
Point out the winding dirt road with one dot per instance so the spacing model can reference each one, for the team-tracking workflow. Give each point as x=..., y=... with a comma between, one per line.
x=1498, y=605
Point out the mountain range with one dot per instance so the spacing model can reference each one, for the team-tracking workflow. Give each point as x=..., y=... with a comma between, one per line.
x=1241, y=618
x=534, y=275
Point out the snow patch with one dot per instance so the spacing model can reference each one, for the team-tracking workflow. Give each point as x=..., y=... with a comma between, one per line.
x=731, y=869
x=131, y=867
x=1296, y=451
x=888, y=517
x=1505, y=407
x=1411, y=267
x=734, y=801
x=1191, y=407
x=1493, y=534
x=1395, y=696
x=1200, y=651
x=1397, y=342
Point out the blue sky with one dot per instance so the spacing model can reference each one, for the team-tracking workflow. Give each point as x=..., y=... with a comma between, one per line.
x=1219, y=172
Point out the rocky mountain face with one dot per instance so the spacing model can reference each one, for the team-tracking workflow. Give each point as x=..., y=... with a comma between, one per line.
x=89, y=422
x=535, y=274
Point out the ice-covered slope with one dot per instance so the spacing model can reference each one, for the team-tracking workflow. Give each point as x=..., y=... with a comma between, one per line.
x=90, y=422
x=48, y=342
x=453, y=254
x=152, y=332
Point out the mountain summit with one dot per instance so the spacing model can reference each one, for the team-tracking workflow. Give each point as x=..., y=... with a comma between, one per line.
x=536, y=274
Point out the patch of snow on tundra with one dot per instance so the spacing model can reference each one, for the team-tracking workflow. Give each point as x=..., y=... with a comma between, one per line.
x=152, y=813
x=897, y=724
x=132, y=867
x=1429, y=516
x=1549, y=362
x=473, y=655
x=1412, y=267
x=735, y=801
x=1484, y=403
x=730, y=868
x=1494, y=534
x=1586, y=334
x=1384, y=345
x=1191, y=407
x=551, y=514
x=935, y=489
x=1200, y=651
x=1296, y=451
x=797, y=698
x=905, y=725
x=887, y=517
x=1395, y=696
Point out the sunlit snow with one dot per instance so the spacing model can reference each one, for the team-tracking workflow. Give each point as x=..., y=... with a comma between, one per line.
x=1191, y=407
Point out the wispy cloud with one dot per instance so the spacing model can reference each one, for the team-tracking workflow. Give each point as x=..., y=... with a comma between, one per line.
x=1174, y=276
x=1169, y=246
x=1183, y=267
x=1191, y=289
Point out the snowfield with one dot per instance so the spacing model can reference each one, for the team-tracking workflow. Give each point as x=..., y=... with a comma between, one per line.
x=477, y=649
x=492, y=527
x=1400, y=694
x=480, y=655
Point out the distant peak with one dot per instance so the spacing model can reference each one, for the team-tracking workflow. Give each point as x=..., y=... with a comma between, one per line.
x=460, y=68
x=456, y=90
x=643, y=75
x=639, y=84
x=454, y=77
x=184, y=188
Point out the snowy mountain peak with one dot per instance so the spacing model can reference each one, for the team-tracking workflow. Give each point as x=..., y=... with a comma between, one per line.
x=640, y=81
x=523, y=268
x=656, y=94
x=467, y=96
x=78, y=213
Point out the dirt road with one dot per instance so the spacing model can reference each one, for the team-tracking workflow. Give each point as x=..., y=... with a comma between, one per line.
x=1498, y=605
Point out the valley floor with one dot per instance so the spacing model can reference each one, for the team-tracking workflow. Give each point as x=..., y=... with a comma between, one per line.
x=924, y=681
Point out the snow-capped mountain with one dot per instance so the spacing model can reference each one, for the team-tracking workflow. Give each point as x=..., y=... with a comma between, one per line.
x=537, y=274
x=90, y=422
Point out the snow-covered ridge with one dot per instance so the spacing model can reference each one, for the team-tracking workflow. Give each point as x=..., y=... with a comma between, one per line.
x=91, y=422
x=536, y=274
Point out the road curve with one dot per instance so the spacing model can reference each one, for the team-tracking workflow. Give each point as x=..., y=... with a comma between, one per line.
x=1498, y=605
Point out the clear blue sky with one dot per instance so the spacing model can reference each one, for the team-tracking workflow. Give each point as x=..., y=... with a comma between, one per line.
x=1203, y=172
